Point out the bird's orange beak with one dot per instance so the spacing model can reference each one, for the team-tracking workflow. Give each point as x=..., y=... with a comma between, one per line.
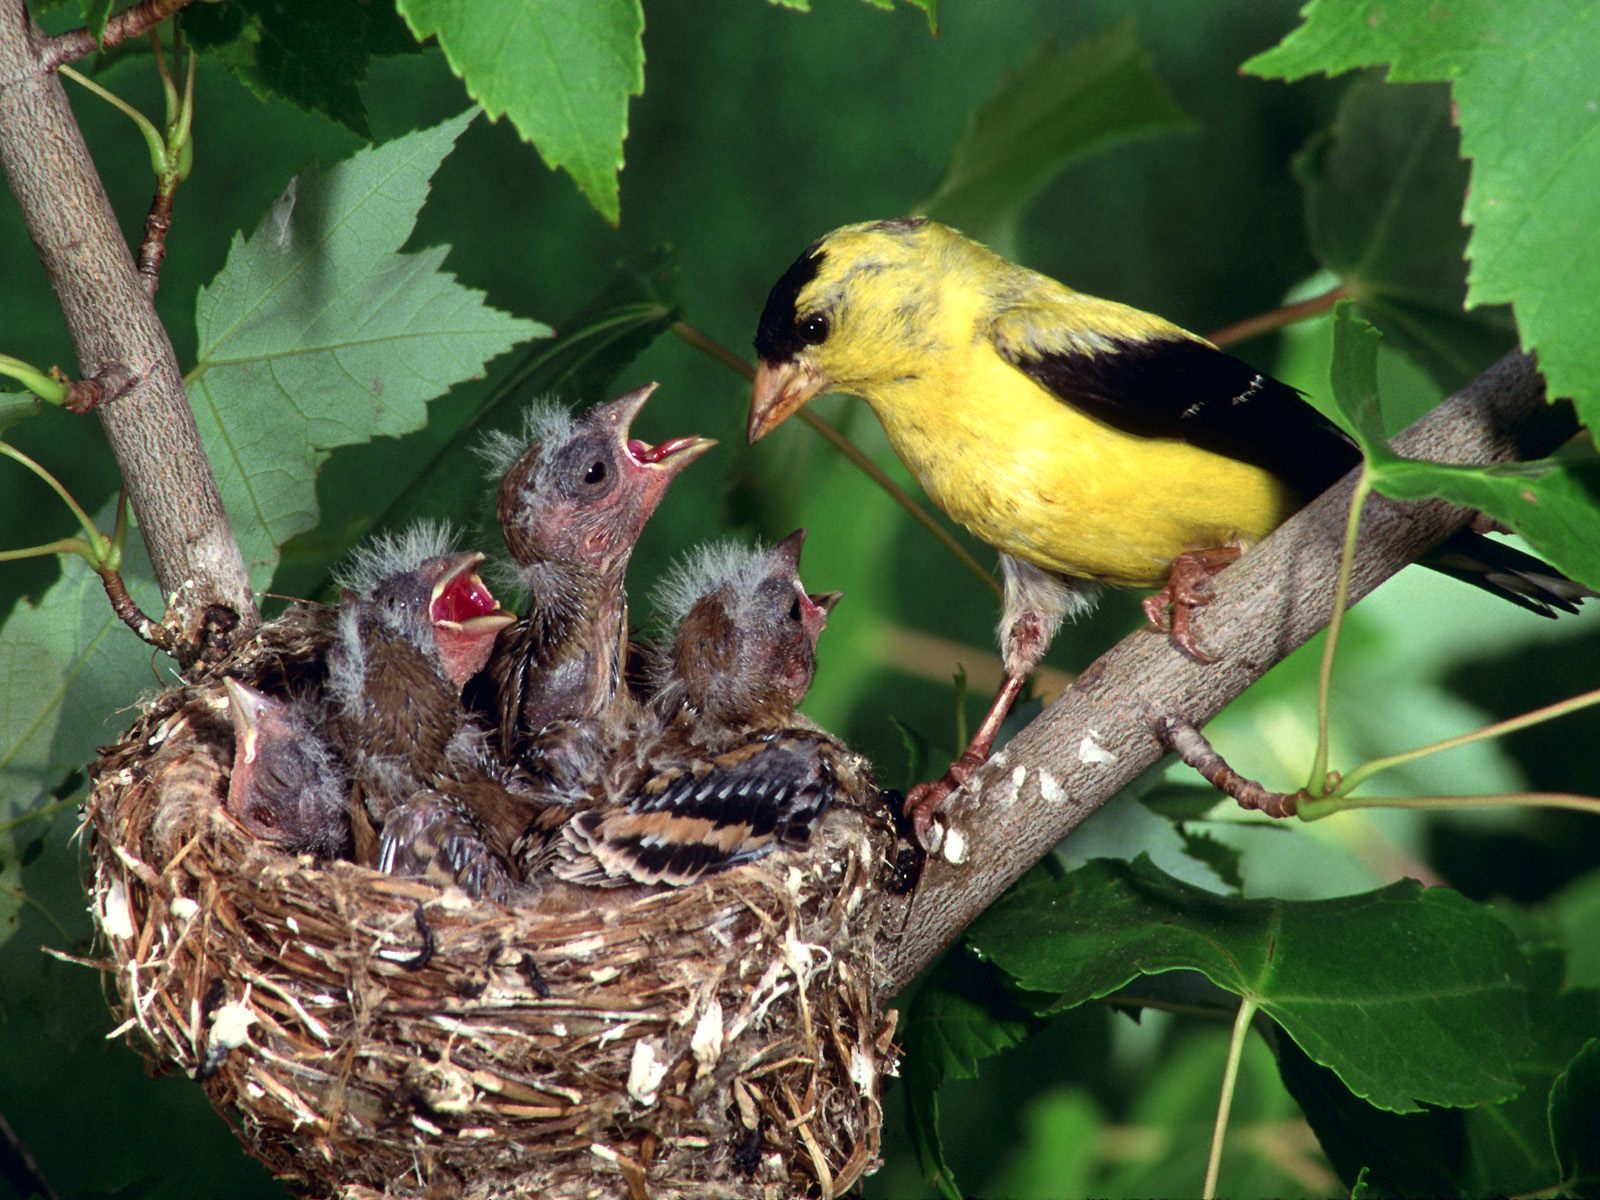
x=780, y=389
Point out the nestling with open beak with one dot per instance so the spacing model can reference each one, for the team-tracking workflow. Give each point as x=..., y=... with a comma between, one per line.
x=720, y=770
x=575, y=493
x=288, y=786
x=1087, y=441
x=415, y=623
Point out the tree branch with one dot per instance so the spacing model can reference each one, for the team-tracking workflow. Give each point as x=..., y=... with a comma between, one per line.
x=1099, y=736
x=113, y=321
x=130, y=23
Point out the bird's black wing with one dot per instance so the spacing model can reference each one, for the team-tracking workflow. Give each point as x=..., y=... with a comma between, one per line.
x=1161, y=383
x=689, y=819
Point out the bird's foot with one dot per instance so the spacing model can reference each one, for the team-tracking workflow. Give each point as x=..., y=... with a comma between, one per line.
x=926, y=800
x=1171, y=610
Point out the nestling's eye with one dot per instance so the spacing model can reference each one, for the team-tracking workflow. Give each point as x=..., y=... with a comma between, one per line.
x=794, y=609
x=264, y=817
x=596, y=472
x=813, y=329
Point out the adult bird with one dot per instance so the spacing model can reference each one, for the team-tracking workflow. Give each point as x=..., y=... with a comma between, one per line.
x=1087, y=441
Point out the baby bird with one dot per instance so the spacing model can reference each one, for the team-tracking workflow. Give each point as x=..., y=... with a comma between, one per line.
x=415, y=623
x=721, y=770
x=287, y=786
x=1087, y=441
x=572, y=503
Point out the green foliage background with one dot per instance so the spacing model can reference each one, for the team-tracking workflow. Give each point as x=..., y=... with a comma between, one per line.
x=756, y=130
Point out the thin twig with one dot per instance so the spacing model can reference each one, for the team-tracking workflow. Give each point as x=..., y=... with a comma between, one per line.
x=130, y=23
x=1191, y=746
x=713, y=349
x=111, y=382
x=129, y=613
x=153, y=247
x=18, y=1166
x=1266, y=322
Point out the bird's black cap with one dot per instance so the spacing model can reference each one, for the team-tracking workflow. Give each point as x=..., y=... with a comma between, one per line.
x=777, y=338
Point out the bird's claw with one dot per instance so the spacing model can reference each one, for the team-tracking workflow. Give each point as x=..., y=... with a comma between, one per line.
x=927, y=800
x=1171, y=610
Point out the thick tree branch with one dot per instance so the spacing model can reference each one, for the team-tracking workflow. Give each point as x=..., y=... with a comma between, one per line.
x=1099, y=736
x=113, y=321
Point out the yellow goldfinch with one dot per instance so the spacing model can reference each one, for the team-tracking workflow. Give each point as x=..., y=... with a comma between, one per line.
x=1087, y=441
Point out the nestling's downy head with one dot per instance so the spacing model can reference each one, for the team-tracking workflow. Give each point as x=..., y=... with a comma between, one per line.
x=428, y=594
x=287, y=786
x=745, y=645
x=860, y=308
x=578, y=490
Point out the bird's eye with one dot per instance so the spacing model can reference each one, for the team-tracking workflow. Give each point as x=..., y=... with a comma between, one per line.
x=794, y=609
x=813, y=329
x=596, y=472
x=264, y=817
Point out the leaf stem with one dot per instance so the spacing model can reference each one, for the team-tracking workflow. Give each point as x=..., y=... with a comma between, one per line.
x=706, y=345
x=65, y=546
x=1230, y=1075
x=153, y=140
x=1266, y=322
x=40, y=383
x=33, y=814
x=1560, y=709
x=1317, y=784
x=96, y=538
x=1315, y=810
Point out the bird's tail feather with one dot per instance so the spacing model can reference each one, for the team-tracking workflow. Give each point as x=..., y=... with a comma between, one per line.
x=1507, y=572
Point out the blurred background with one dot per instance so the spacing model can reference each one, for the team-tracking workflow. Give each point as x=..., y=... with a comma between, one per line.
x=760, y=129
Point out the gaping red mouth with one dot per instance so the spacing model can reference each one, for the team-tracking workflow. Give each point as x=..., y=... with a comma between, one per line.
x=647, y=455
x=461, y=597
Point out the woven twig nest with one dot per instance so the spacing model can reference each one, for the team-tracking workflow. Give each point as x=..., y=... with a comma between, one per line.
x=376, y=1036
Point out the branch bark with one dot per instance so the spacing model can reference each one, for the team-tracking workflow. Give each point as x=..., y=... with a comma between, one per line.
x=1098, y=736
x=113, y=323
x=130, y=23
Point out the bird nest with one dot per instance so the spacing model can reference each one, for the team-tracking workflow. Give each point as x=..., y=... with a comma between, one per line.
x=369, y=1035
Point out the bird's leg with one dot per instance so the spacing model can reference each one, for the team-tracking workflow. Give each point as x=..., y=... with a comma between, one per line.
x=1035, y=604
x=926, y=799
x=1188, y=588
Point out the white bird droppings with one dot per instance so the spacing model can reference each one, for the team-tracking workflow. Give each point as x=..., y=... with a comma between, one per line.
x=1050, y=789
x=645, y=1073
x=230, y=1028
x=955, y=846
x=706, y=1042
x=1092, y=753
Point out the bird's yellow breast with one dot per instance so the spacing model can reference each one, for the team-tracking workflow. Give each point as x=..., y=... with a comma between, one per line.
x=1043, y=482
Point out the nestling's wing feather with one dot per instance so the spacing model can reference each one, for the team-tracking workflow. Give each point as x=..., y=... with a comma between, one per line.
x=1162, y=383
x=687, y=820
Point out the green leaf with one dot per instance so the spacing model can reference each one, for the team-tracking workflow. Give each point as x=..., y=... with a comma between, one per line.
x=1499, y=1149
x=434, y=473
x=1574, y=1103
x=562, y=70
x=1352, y=402
x=95, y=15
x=1551, y=502
x=1519, y=86
x=959, y=1017
x=16, y=406
x=69, y=669
x=1383, y=189
x=1222, y=858
x=1056, y=107
x=1340, y=976
x=312, y=53
x=319, y=333
x=1181, y=802
x=1057, y=1154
